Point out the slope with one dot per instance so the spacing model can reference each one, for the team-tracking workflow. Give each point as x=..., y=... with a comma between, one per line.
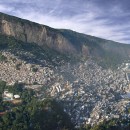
x=107, y=53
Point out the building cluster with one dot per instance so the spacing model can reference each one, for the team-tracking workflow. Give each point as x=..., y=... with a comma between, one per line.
x=88, y=92
x=8, y=96
x=15, y=69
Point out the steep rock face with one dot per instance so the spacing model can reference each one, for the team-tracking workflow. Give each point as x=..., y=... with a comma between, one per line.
x=34, y=33
x=64, y=40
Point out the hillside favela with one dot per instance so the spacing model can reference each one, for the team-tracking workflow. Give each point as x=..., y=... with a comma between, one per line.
x=59, y=79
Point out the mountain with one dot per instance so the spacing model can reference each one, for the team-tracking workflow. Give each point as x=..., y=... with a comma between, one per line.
x=106, y=52
x=34, y=33
x=65, y=70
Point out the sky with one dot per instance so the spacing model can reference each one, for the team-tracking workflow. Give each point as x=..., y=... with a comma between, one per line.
x=108, y=19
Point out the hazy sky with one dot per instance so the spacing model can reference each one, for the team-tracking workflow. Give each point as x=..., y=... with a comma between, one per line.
x=109, y=19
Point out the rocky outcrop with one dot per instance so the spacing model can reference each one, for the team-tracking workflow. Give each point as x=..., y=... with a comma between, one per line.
x=34, y=33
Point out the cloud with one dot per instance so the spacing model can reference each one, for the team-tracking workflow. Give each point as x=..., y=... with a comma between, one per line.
x=5, y=8
x=96, y=17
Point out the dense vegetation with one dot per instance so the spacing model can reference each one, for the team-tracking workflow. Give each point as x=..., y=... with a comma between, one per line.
x=107, y=53
x=31, y=114
x=2, y=57
x=31, y=52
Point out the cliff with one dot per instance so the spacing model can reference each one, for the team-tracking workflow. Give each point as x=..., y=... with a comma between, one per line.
x=107, y=52
x=31, y=32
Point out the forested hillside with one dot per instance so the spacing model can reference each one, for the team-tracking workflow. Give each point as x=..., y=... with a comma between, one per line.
x=29, y=113
x=107, y=53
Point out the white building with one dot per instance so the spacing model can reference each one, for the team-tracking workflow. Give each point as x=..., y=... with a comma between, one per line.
x=16, y=96
x=7, y=96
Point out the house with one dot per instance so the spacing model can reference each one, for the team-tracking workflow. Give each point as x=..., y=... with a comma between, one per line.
x=7, y=96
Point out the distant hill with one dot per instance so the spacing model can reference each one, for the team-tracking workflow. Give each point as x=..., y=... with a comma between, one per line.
x=105, y=52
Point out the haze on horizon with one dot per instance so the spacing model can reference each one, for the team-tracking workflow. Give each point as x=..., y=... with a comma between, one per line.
x=109, y=19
